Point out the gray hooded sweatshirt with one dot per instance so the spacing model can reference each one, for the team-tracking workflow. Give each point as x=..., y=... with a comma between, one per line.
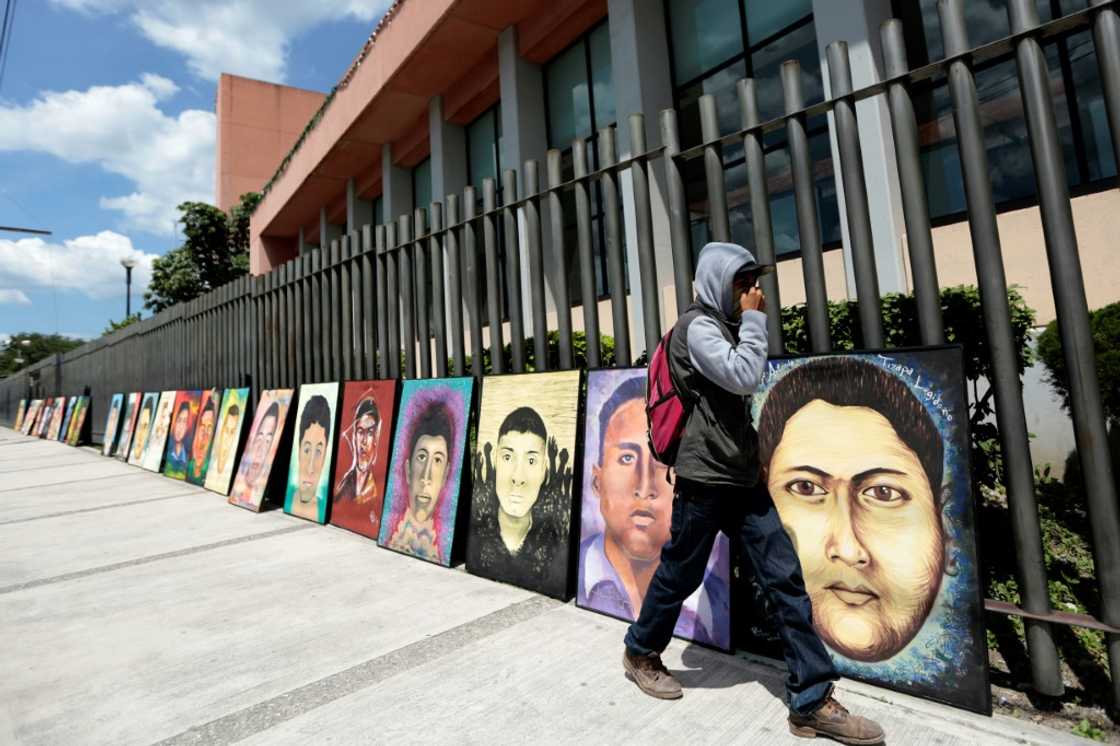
x=717, y=362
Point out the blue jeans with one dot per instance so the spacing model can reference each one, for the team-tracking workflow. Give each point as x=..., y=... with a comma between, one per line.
x=746, y=515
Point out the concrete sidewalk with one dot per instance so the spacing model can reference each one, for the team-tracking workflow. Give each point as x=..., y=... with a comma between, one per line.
x=137, y=609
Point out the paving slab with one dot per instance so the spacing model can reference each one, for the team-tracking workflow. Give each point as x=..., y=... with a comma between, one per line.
x=140, y=610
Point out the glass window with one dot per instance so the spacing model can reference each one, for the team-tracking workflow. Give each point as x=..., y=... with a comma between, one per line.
x=580, y=102
x=378, y=210
x=484, y=148
x=422, y=184
x=753, y=39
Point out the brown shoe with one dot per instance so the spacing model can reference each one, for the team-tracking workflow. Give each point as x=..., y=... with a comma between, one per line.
x=651, y=676
x=833, y=721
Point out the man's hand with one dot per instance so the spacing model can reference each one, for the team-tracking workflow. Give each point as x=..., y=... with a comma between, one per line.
x=753, y=300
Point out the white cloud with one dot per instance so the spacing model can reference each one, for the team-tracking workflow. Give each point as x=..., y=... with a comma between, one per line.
x=122, y=129
x=250, y=37
x=18, y=297
x=88, y=264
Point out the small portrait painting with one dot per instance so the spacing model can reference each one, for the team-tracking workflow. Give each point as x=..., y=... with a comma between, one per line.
x=78, y=421
x=143, y=429
x=203, y=436
x=21, y=410
x=251, y=481
x=422, y=498
x=309, y=470
x=223, y=454
x=29, y=417
x=70, y=403
x=626, y=515
x=184, y=415
x=362, y=458
x=47, y=417
x=521, y=506
x=866, y=458
x=112, y=424
x=128, y=423
x=152, y=458
x=58, y=412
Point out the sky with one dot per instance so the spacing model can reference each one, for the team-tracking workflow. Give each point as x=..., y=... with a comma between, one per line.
x=107, y=123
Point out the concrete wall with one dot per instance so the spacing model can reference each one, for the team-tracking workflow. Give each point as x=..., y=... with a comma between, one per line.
x=258, y=123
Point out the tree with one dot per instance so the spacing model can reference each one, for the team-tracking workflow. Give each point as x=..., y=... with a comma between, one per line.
x=126, y=321
x=215, y=251
x=30, y=348
x=1104, y=328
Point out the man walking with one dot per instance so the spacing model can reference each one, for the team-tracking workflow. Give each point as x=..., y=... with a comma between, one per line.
x=717, y=356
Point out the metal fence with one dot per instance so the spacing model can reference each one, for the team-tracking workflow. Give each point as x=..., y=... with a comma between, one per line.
x=372, y=303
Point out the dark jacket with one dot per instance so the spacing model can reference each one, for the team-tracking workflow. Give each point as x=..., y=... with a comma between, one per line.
x=717, y=364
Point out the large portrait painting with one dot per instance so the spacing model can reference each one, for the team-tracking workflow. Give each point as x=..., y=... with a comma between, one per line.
x=184, y=415
x=522, y=468
x=365, y=430
x=152, y=458
x=866, y=458
x=46, y=419
x=223, y=454
x=309, y=470
x=78, y=421
x=422, y=498
x=128, y=423
x=264, y=439
x=30, y=416
x=626, y=513
x=202, y=438
x=143, y=429
x=112, y=424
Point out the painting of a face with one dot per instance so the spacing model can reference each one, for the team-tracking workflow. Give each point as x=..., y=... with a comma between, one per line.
x=182, y=423
x=259, y=449
x=203, y=434
x=427, y=472
x=864, y=518
x=227, y=439
x=143, y=428
x=635, y=498
x=367, y=432
x=520, y=471
x=312, y=453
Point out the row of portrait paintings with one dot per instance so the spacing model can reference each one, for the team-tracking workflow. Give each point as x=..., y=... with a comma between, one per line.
x=59, y=418
x=865, y=456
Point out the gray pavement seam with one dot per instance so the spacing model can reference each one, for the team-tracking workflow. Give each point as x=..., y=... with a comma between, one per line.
x=259, y=717
x=79, y=481
x=110, y=506
x=41, y=466
x=151, y=558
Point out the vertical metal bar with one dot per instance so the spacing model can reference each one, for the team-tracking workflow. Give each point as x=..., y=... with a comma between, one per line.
x=307, y=331
x=455, y=285
x=274, y=313
x=643, y=217
x=1106, y=39
x=760, y=211
x=291, y=338
x=915, y=208
x=299, y=317
x=439, y=291
x=383, y=370
x=513, y=271
x=408, y=318
x=420, y=269
x=1018, y=471
x=368, y=262
x=585, y=256
x=808, y=225
x=562, y=297
x=336, y=309
x=855, y=196
x=315, y=330
x=344, y=302
x=393, y=301
x=490, y=252
x=531, y=179
x=616, y=276
x=718, y=220
x=679, y=235
x=470, y=275
x=327, y=296
x=1073, y=320
x=356, y=320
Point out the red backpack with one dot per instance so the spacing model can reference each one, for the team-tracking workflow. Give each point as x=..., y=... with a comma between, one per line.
x=666, y=408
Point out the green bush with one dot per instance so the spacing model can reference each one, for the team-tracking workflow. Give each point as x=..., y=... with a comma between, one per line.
x=579, y=353
x=1104, y=325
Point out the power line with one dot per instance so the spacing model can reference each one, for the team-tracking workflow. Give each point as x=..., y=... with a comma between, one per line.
x=6, y=35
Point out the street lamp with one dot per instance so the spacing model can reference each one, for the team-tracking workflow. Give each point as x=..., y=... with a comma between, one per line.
x=128, y=263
